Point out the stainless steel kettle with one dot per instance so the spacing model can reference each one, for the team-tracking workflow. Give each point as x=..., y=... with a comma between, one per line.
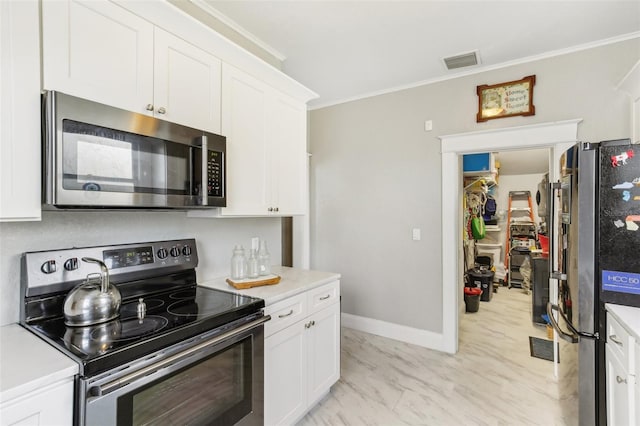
x=92, y=302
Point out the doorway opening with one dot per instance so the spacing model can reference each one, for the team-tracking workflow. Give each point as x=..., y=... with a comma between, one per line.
x=556, y=136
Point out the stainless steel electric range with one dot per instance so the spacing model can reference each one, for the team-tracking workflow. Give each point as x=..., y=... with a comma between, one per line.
x=178, y=353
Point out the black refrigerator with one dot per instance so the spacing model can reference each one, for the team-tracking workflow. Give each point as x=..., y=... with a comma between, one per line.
x=596, y=205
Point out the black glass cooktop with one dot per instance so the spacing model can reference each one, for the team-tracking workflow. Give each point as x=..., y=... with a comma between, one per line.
x=147, y=323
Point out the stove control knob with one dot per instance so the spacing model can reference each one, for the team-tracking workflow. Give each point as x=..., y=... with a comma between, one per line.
x=71, y=264
x=163, y=253
x=49, y=267
x=186, y=250
x=175, y=251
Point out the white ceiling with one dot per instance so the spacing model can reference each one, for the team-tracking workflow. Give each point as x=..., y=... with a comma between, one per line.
x=346, y=50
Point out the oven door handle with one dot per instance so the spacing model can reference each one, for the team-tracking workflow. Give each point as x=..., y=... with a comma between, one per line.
x=100, y=390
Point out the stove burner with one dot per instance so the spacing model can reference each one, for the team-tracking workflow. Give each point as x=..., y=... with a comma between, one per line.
x=190, y=307
x=180, y=295
x=128, y=329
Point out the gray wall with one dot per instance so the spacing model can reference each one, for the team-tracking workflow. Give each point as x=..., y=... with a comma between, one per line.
x=215, y=240
x=375, y=173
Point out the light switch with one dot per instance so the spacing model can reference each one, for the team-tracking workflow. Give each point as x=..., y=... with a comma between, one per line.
x=428, y=126
x=415, y=234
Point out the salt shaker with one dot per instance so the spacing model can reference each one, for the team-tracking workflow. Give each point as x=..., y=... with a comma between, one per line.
x=238, y=264
x=264, y=260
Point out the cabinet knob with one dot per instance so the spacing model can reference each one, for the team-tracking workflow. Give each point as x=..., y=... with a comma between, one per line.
x=149, y=107
x=276, y=209
x=270, y=209
x=620, y=379
x=161, y=110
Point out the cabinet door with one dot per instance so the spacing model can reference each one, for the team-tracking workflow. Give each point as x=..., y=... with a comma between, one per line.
x=19, y=111
x=288, y=156
x=99, y=51
x=244, y=121
x=324, y=351
x=52, y=405
x=186, y=83
x=618, y=390
x=285, y=375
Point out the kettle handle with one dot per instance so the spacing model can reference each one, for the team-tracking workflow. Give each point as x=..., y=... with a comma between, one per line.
x=104, y=276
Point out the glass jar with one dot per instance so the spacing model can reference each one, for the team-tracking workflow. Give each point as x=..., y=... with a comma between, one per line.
x=238, y=264
x=253, y=268
x=264, y=260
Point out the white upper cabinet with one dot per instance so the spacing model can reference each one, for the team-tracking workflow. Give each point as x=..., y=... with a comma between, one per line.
x=244, y=123
x=186, y=83
x=97, y=50
x=288, y=156
x=266, y=148
x=19, y=111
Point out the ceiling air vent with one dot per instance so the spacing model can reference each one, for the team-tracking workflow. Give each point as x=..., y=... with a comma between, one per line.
x=461, y=61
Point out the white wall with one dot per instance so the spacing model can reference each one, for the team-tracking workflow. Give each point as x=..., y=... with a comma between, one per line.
x=375, y=174
x=215, y=240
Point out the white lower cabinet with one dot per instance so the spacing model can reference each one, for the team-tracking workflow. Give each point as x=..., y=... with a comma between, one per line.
x=52, y=405
x=302, y=359
x=621, y=368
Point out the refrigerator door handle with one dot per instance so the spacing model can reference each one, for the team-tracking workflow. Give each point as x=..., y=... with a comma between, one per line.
x=574, y=335
x=569, y=337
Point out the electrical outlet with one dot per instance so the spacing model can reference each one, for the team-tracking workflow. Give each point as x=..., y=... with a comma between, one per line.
x=428, y=125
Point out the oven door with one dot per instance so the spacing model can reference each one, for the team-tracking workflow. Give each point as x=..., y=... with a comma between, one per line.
x=216, y=379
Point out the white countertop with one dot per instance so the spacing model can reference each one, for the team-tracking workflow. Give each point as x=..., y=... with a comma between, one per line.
x=293, y=281
x=628, y=316
x=28, y=363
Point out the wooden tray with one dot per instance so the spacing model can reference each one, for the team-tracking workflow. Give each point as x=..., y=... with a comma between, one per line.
x=248, y=283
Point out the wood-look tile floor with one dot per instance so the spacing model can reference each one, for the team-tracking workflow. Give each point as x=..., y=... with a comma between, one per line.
x=492, y=380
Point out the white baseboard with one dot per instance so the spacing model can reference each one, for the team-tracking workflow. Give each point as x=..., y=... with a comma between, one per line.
x=403, y=333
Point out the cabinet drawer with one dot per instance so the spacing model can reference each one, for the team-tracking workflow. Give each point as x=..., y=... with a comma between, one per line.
x=323, y=296
x=619, y=340
x=285, y=313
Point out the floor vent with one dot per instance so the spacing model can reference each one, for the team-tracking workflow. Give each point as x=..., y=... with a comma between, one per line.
x=461, y=61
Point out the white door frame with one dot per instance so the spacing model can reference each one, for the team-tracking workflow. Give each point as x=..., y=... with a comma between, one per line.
x=558, y=136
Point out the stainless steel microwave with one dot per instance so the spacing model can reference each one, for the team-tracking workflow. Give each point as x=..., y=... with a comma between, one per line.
x=100, y=157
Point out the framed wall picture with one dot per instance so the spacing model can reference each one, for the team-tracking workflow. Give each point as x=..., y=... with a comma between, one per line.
x=506, y=99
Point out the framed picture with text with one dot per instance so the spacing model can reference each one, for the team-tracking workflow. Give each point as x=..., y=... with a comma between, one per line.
x=506, y=99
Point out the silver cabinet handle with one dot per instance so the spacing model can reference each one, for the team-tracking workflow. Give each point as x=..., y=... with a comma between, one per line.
x=276, y=209
x=161, y=110
x=286, y=315
x=615, y=339
x=270, y=209
x=620, y=379
x=325, y=297
x=309, y=324
x=149, y=107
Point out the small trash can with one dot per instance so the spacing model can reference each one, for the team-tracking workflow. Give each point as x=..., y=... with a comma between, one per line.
x=482, y=279
x=472, y=298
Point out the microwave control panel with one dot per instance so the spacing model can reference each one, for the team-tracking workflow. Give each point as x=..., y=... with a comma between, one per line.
x=214, y=174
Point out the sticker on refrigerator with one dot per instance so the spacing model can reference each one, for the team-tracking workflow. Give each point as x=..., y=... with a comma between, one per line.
x=626, y=195
x=625, y=185
x=621, y=159
x=622, y=282
x=631, y=222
